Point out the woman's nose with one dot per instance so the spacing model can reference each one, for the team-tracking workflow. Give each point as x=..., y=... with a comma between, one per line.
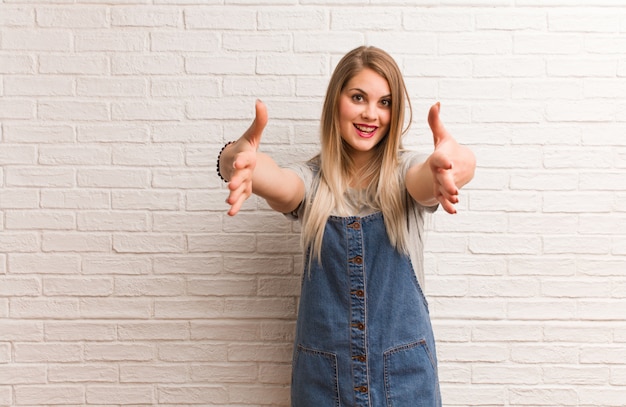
x=369, y=111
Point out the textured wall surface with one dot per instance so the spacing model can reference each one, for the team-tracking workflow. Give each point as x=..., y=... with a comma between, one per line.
x=123, y=282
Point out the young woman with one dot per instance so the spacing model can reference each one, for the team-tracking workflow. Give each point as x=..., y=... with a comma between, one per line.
x=363, y=335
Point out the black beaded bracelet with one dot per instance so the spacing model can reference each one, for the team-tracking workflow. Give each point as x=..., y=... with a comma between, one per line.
x=218, y=160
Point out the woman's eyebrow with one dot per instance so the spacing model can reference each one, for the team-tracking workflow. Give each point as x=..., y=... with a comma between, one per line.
x=364, y=92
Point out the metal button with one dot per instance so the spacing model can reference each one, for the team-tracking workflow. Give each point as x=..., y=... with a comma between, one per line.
x=360, y=358
x=355, y=225
x=362, y=389
x=359, y=326
x=359, y=293
x=357, y=260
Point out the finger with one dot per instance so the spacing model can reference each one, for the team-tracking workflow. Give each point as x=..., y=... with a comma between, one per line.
x=447, y=206
x=236, y=198
x=436, y=125
x=254, y=132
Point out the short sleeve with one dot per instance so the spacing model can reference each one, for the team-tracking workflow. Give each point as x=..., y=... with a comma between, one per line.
x=304, y=171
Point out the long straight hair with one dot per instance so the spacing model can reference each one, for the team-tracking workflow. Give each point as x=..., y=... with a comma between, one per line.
x=337, y=166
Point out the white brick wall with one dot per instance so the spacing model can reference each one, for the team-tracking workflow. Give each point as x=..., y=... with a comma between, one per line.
x=123, y=282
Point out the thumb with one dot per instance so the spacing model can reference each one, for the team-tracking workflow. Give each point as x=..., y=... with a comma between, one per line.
x=436, y=125
x=254, y=132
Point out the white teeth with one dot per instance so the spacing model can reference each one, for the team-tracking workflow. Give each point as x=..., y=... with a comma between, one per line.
x=365, y=129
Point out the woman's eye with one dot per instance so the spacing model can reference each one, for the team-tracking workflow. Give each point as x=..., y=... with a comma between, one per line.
x=386, y=102
x=357, y=98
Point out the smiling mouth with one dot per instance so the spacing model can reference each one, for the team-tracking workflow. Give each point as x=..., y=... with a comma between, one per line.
x=365, y=131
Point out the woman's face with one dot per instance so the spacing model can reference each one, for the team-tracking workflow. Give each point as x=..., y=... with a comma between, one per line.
x=364, y=113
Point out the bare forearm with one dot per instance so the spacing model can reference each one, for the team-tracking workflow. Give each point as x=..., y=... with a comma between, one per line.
x=281, y=188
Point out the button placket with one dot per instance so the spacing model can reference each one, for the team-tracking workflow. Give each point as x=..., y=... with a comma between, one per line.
x=358, y=326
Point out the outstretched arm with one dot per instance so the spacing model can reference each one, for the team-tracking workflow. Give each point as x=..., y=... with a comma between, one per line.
x=248, y=171
x=446, y=170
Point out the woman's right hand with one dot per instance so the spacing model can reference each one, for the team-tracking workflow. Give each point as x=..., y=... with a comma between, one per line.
x=239, y=160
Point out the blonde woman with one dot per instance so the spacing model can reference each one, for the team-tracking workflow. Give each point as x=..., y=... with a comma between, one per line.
x=363, y=334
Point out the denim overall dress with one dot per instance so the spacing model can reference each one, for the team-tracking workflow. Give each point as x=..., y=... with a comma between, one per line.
x=363, y=336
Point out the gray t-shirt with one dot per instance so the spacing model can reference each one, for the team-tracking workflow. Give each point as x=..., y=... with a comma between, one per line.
x=360, y=207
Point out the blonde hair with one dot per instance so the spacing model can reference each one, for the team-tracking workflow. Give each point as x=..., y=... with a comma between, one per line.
x=336, y=167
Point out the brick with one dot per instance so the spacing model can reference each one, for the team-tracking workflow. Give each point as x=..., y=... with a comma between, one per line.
x=35, y=86
x=88, y=373
x=50, y=394
x=149, y=286
x=549, y=309
x=37, y=40
x=75, y=241
x=75, y=199
x=189, y=394
x=113, y=178
x=39, y=353
x=222, y=287
x=16, y=64
x=185, y=87
x=184, y=179
x=153, y=331
x=101, y=394
x=110, y=41
x=545, y=397
x=188, y=265
x=559, y=44
x=191, y=309
x=220, y=65
x=107, y=133
x=118, y=352
x=230, y=330
x=539, y=353
x=154, y=374
x=79, y=65
x=74, y=18
x=147, y=111
x=17, y=109
x=187, y=42
x=116, y=264
x=268, y=395
x=228, y=373
x=22, y=374
x=520, y=375
x=146, y=65
x=219, y=18
x=194, y=352
x=19, y=287
x=145, y=16
x=21, y=331
x=146, y=200
x=79, y=111
x=19, y=242
x=42, y=264
x=83, y=287
x=328, y=42
x=148, y=243
x=70, y=331
x=123, y=87
x=291, y=65
x=148, y=156
x=17, y=17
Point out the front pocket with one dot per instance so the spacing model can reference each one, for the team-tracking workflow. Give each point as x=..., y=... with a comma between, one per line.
x=411, y=376
x=314, y=378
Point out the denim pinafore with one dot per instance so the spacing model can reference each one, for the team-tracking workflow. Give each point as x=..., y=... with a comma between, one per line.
x=363, y=336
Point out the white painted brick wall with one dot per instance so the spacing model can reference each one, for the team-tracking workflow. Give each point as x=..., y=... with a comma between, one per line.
x=123, y=282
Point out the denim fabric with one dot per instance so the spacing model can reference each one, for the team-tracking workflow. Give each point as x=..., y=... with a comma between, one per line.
x=363, y=334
